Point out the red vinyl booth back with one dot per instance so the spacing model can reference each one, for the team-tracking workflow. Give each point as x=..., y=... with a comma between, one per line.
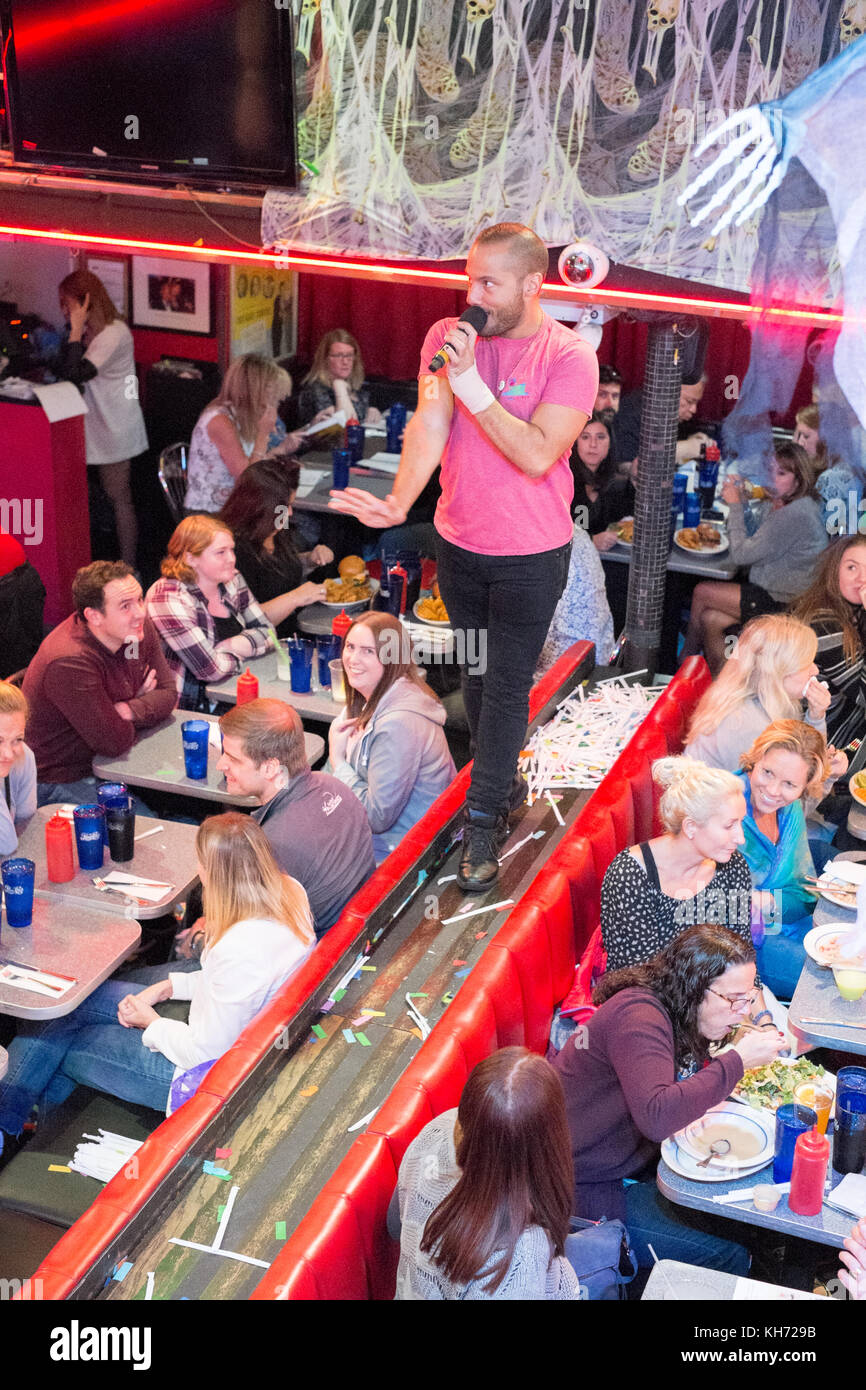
x=508, y=999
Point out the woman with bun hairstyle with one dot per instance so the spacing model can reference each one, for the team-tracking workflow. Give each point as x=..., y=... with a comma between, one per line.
x=787, y=762
x=485, y=1191
x=98, y=356
x=833, y=606
x=257, y=513
x=693, y=873
x=388, y=744
x=770, y=674
x=642, y=1070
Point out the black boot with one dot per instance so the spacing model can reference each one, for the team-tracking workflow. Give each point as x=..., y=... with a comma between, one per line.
x=518, y=794
x=483, y=837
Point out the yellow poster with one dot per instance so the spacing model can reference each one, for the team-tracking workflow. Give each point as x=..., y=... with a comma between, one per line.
x=263, y=310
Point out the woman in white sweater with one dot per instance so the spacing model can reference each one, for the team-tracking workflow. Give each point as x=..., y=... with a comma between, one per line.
x=485, y=1190
x=258, y=931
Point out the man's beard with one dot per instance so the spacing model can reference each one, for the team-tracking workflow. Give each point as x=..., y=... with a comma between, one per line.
x=608, y=414
x=501, y=321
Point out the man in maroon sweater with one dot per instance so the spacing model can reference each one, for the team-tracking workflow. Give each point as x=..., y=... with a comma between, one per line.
x=95, y=681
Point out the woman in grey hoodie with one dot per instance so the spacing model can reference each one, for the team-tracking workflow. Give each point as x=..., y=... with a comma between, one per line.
x=388, y=744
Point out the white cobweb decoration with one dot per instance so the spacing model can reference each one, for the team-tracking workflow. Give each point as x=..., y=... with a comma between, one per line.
x=426, y=120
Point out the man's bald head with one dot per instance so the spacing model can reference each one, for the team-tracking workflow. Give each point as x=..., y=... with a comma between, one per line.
x=527, y=251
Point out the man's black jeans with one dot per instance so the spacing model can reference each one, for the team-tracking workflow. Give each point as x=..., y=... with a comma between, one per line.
x=500, y=607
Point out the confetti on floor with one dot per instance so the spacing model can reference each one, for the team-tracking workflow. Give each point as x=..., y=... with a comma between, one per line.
x=213, y=1171
x=458, y=962
x=447, y=998
x=461, y=974
x=417, y=1033
x=220, y=1209
x=480, y=935
x=121, y=1271
x=338, y=995
x=368, y=967
x=309, y=1091
x=419, y=995
x=363, y=1039
x=348, y=1035
x=223, y=1153
x=58, y=1168
x=319, y=1030
x=280, y=1230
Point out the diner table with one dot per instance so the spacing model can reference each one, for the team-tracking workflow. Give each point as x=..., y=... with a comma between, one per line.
x=317, y=704
x=829, y=1227
x=843, y=1023
x=156, y=760
x=65, y=940
x=671, y=1281
x=166, y=857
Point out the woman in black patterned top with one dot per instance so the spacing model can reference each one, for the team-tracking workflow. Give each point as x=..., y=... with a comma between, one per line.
x=691, y=875
x=833, y=606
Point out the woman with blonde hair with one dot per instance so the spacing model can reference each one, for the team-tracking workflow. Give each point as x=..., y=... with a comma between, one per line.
x=235, y=429
x=787, y=762
x=17, y=768
x=209, y=623
x=769, y=675
x=388, y=744
x=693, y=873
x=836, y=482
x=98, y=357
x=258, y=932
x=336, y=382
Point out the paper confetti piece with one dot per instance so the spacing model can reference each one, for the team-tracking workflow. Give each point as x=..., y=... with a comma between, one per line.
x=474, y=911
x=422, y=875
x=348, y=1035
x=309, y=1091
x=223, y=1153
x=220, y=1209
x=417, y=1032
x=214, y=1172
x=363, y=1039
x=338, y=994
x=327, y=1006
x=480, y=935
x=148, y=1293
x=461, y=974
x=446, y=998
x=418, y=995
x=449, y=878
x=381, y=929
x=319, y=1030
x=121, y=1271
x=458, y=962
x=224, y=1219
x=368, y=967
x=58, y=1168
x=373, y=1013
x=280, y=1230
x=359, y=1124
x=309, y=167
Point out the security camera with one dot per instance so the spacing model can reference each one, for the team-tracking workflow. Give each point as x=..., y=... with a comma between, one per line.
x=583, y=265
x=591, y=322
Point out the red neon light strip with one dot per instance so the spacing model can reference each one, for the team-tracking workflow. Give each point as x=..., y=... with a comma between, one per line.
x=337, y=265
x=34, y=33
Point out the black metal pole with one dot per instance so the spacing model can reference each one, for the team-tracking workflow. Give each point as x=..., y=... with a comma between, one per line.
x=657, y=453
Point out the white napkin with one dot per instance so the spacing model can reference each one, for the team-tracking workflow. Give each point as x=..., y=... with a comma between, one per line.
x=37, y=981
x=386, y=463
x=847, y=869
x=334, y=421
x=849, y=1195
x=213, y=736
x=151, y=892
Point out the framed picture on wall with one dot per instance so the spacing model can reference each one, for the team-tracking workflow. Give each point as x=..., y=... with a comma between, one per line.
x=262, y=310
x=172, y=295
x=113, y=271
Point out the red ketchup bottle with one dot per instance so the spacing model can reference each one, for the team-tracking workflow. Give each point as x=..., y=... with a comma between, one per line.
x=58, y=850
x=811, y=1156
x=248, y=687
x=398, y=571
x=340, y=626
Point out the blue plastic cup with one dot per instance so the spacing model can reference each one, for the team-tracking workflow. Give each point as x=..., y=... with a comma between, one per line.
x=675, y=520
x=113, y=794
x=708, y=477
x=394, y=438
x=691, y=509
x=89, y=822
x=301, y=658
x=328, y=649
x=849, y=1126
x=397, y=414
x=18, y=879
x=792, y=1120
x=355, y=442
x=195, y=739
x=680, y=488
x=342, y=462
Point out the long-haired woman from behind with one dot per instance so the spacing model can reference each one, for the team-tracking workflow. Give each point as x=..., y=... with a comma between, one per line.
x=258, y=931
x=485, y=1190
x=833, y=606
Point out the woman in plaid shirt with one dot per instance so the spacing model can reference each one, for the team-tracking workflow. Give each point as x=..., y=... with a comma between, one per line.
x=209, y=623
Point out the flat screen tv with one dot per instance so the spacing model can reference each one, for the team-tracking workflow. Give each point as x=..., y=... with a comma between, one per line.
x=181, y=91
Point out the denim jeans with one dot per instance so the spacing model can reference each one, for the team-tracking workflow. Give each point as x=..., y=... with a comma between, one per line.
x=506, y=603
x=676, y=1233
x=90, y=1047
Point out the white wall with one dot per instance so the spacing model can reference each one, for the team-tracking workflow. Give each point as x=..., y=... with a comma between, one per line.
x=30, y=274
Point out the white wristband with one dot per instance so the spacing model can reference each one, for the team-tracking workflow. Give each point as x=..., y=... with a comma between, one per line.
x=468, y=387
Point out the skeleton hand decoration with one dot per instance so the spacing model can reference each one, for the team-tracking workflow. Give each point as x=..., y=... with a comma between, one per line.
x=762, y=171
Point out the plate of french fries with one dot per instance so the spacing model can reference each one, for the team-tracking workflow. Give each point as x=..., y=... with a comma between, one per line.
x=431, y=610
x=705, y=539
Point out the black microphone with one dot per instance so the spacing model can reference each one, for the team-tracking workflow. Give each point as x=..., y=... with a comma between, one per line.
x=476, y=318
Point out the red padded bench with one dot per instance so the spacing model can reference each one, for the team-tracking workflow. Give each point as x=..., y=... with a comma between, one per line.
x=509, y=998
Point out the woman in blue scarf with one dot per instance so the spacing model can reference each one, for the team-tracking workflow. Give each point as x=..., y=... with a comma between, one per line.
x=786, y=763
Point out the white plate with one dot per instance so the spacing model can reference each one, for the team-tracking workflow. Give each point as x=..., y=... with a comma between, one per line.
x=357, y=604
x=704, y=549
x=816, y=934
x=612, y=528
x=734, y=1118
x=681, y=1163
x=428, y=622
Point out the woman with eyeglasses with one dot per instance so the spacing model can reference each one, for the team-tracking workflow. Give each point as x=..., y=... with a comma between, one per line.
x=786, y=763
x=336, y=382
x=641, y=1069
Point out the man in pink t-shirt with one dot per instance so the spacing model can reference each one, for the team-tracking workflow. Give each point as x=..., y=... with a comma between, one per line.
x=501, y=419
